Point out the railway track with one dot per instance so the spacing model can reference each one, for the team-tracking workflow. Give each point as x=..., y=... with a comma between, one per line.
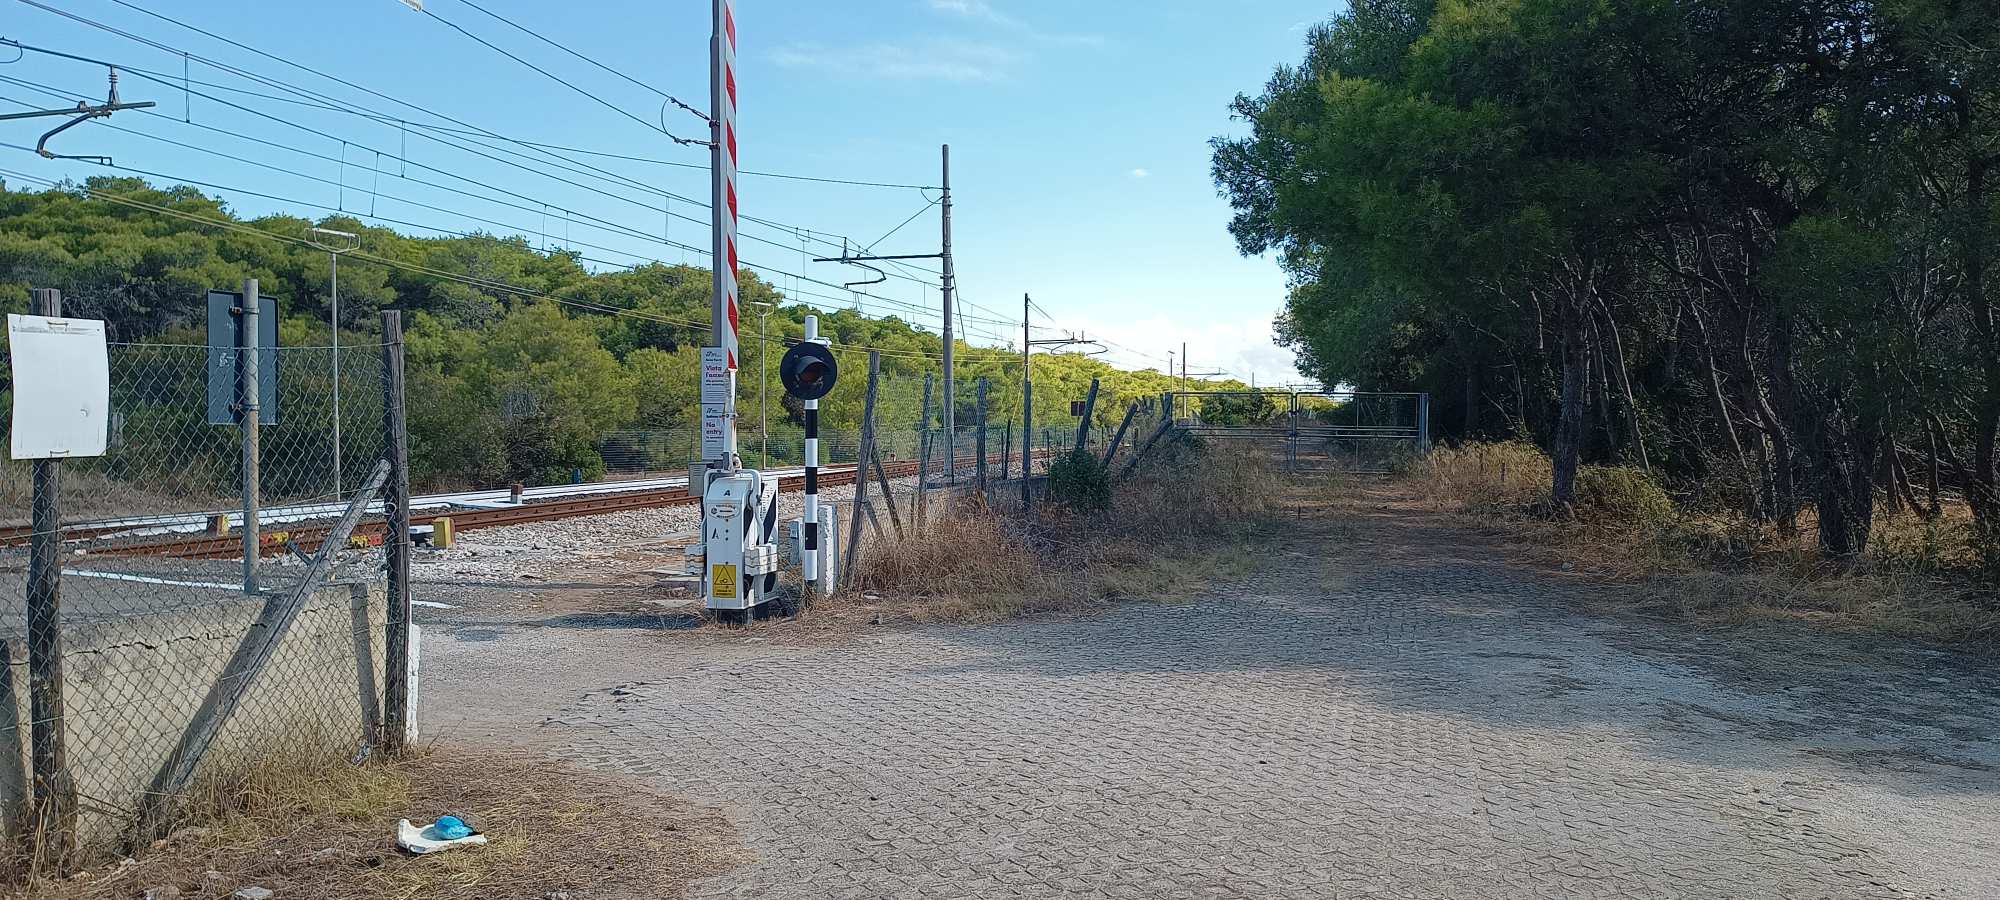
x=309, y=536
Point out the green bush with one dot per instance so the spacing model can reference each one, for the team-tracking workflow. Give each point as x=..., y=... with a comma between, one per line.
x=1622, y=494
x=1080, y=481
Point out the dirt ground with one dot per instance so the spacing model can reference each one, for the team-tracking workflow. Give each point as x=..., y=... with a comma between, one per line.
x=554, y=832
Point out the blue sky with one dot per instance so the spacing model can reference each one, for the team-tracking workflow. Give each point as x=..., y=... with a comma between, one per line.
x=1078, y=131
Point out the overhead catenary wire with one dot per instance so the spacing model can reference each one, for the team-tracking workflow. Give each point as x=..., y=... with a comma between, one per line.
x=832, y=302
x=473, y=281
x=705, y=117
x=571, y=165
x=604, y=223
x=686, y=142
x=582, y=170
x=334, y=104
x=532, y=169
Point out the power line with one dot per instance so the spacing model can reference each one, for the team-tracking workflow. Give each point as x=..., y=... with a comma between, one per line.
x=281, y=85
x=592, y=60
x=903, y=305
x=474, y=281
x=568, y=165
x=342, y=105
x=582, y=169
x=686, y=142
x=167, y=81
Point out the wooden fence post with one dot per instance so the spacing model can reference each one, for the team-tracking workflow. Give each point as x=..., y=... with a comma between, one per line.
x=53, y=804
x=1111, y=452
x=1089, y=409
x=1166, y=422
x=396, y=502
x=852, y=559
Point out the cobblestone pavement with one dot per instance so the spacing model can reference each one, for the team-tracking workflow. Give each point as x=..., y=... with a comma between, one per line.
x=1398, y=714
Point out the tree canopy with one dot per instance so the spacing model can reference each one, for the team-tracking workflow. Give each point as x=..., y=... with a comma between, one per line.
x=1740, y=242
x=523, y=365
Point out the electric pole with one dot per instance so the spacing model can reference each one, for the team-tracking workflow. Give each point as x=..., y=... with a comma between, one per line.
x=949, y=294
x=764, y=378
x=333, y=319
x=949, y=281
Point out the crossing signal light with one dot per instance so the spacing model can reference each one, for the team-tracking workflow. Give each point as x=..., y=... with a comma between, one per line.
x=808, y=371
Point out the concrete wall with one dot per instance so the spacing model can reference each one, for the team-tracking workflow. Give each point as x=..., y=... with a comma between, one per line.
x=134, y=682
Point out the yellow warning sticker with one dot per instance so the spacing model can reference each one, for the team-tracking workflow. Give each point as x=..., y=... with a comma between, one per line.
x=725, y=581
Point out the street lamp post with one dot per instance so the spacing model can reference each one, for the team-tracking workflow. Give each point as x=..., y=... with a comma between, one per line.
x=763, y=378
x=333, y=320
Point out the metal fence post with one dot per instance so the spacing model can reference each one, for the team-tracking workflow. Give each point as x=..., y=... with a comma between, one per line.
x=1027, y=442
x=979, y=440
x=54, y=797
x=1006, y=449
x=1424, y=423
x=923, y=456
x=396, y=543
x=249, y=395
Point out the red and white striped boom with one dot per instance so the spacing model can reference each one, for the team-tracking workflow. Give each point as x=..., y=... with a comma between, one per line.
x=722, y=133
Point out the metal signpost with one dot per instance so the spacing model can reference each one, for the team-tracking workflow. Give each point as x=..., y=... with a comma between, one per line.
x=808, y=372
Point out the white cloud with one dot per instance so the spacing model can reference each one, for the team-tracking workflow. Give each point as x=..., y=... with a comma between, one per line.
x=1141, y=173
x=972, y=9
x=983, y=11
x=1241, y=345
x=933, y=60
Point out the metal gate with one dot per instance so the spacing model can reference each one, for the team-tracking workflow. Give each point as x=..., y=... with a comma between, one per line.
x=1313, y=430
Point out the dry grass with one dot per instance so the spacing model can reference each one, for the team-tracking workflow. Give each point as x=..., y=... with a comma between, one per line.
x=1489, y=479
x=1900, y=605
x=1180, y=524
x=1924, y=580
x=329, y=833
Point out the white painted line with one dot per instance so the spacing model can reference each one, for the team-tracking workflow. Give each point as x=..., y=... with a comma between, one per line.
x=143, y=579
x=432, y=604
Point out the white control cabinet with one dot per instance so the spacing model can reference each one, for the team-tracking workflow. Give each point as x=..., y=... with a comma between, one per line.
x=739, y=523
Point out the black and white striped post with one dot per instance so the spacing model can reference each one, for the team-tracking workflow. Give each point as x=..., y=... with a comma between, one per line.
x=812, y=472
x=808, y=372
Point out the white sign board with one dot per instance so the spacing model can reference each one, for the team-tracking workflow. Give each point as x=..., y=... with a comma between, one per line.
x=62, y=387
x=718, y=402
x=716, y=384
x=714, y=419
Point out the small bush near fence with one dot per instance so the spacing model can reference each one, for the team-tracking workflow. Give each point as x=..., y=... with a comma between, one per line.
x=1156, y=535
x=1925, y=578
x=1079, y=480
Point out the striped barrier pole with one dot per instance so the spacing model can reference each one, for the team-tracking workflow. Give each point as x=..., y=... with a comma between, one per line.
x=811, y=563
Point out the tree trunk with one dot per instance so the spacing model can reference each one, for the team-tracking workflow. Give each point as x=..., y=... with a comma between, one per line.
x=1625, y=386
x=1471, y=427
x=1980, y=491
x=1570, y=425
x=1777, y=418
x=1752, y=482
x=1932, y=428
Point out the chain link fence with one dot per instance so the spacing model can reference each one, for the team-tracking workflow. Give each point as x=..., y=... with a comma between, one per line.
x=147, y=662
